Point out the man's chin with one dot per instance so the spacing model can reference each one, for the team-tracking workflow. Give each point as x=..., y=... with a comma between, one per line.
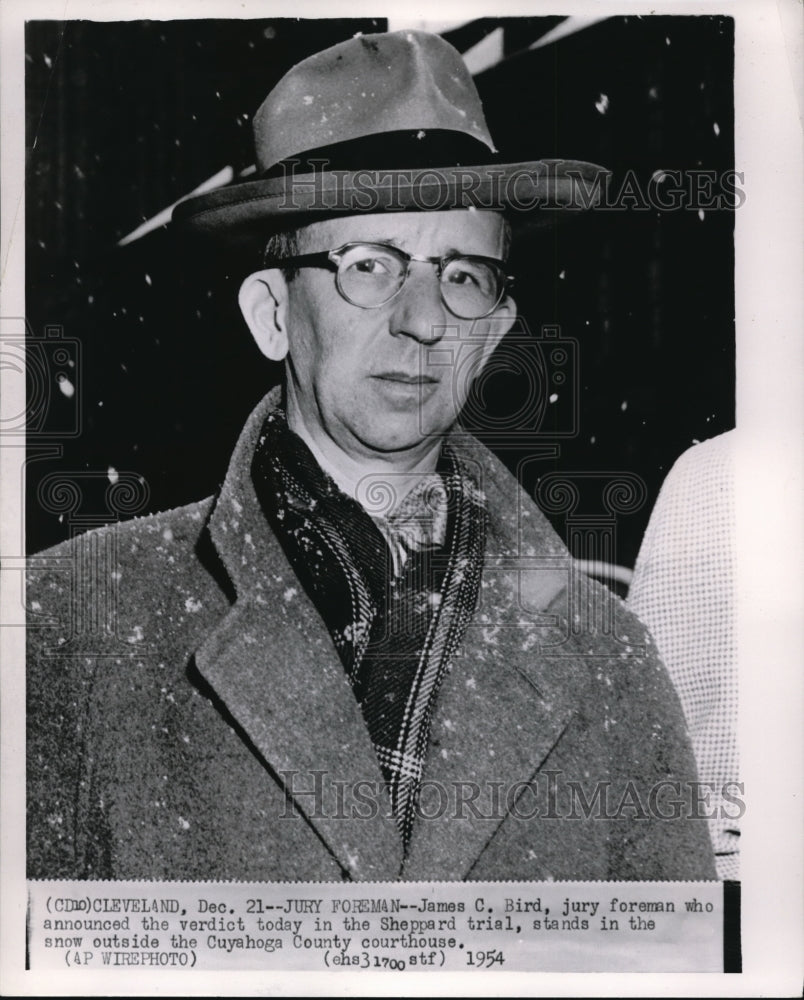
x=402, y=439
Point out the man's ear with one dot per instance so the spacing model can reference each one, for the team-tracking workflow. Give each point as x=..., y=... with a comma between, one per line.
x=263, y=300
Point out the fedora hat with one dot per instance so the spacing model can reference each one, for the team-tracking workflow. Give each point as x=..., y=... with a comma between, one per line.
x=383, y=122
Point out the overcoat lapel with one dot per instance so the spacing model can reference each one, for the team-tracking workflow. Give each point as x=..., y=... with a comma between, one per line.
x=272, y=663
x=496, y=723
x=504, y=704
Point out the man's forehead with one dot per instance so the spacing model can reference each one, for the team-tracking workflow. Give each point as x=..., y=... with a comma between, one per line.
x=466, y=230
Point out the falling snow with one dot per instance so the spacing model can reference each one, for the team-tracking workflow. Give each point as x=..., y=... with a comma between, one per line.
x=112, y=475
x=602, y=104
x=66, y=386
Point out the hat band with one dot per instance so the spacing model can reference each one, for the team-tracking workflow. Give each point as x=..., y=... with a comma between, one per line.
x=404, y=150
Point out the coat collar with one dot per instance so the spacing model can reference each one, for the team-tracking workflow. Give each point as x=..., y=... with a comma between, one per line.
x=501, y=709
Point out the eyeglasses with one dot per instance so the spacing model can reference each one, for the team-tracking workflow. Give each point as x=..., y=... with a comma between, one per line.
x=370, y=274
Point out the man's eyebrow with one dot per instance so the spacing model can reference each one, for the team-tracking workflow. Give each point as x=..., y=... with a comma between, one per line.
x=390, y=241
x=450, y=251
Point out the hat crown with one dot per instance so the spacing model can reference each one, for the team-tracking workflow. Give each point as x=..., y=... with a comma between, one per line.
x=367, y=86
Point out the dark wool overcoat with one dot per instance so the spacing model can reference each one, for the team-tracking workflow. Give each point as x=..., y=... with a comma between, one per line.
x=189, y=717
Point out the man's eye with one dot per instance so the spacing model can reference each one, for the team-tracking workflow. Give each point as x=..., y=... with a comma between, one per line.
x=462, y=278
x=372, y=265
x=470, y=276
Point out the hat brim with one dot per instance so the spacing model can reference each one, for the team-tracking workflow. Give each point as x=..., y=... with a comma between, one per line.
x=528, y=192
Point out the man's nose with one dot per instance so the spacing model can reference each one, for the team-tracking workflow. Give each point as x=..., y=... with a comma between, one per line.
x=419, y=310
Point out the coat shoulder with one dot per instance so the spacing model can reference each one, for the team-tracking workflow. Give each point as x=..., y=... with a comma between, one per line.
x=118, y=584
x=179, y=523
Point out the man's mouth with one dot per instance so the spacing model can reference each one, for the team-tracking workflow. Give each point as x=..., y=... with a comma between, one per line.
x=406, y=378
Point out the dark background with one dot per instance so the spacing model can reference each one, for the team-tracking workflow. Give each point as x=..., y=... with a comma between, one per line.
x=125, y=118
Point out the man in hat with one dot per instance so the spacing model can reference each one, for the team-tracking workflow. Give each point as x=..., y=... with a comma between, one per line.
x=367, y=657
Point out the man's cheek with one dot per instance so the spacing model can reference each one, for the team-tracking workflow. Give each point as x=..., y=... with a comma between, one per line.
x=445, y=406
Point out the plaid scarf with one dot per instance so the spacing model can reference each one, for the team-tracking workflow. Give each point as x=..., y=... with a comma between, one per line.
x=395, y=633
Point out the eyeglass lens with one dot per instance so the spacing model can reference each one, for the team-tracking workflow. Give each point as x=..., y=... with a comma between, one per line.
x=369, y=276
